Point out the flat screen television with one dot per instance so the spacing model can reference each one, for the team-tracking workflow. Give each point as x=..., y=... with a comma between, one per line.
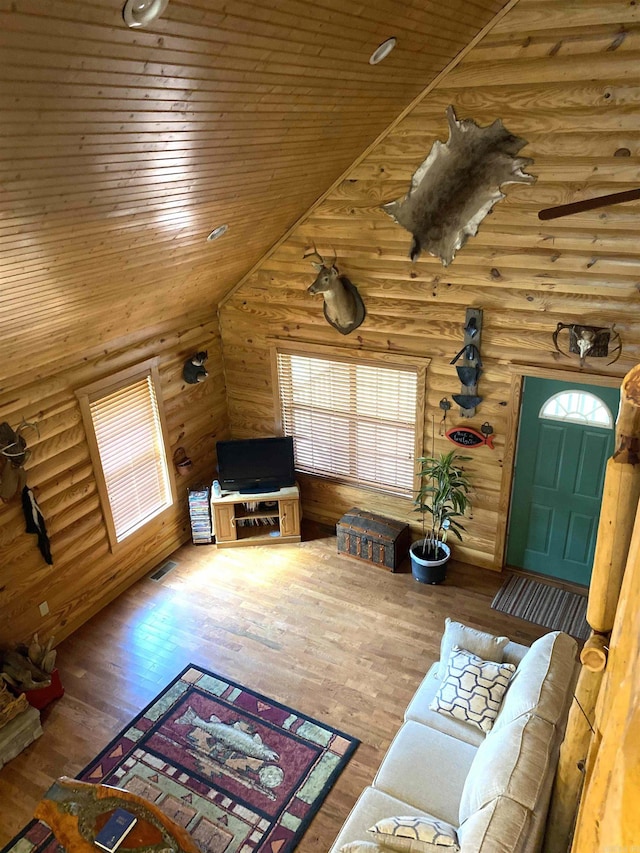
x=253, y=465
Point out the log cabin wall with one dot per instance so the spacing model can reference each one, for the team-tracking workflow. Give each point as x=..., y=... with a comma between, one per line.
x=563, y=75
x=120, y=151
x=85, y=575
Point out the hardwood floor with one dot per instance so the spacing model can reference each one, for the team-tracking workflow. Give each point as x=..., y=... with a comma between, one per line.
x=332, y=637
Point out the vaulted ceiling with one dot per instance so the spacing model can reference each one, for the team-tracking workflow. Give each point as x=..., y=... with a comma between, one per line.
x=123, y=148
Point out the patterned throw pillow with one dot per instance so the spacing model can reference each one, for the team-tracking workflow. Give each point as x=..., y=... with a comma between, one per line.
x=473, y=688
x=416, y=835
x=486, y=646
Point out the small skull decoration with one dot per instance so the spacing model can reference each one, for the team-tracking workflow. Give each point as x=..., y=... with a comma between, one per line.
x=589, y=341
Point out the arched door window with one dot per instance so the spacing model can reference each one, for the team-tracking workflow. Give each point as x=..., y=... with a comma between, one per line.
x=577, y=407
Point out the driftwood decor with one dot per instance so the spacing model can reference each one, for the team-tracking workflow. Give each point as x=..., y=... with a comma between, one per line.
x=28, y=667
x=457, y=185
x=343, y=305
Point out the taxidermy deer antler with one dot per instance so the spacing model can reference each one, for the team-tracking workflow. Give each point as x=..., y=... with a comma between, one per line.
x=343, y=305
x=592, y=341
x=457, y=185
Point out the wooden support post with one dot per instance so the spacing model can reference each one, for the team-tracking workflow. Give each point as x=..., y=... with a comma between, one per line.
x=619, y=501
x=609, y=818
x=615, y=529
x=573, y=753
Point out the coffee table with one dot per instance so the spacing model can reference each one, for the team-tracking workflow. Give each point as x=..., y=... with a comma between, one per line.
x=76, y=811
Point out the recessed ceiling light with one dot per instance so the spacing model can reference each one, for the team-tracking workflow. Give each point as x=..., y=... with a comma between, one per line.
x=382, y=51
x=218, y=232
x=139, y=13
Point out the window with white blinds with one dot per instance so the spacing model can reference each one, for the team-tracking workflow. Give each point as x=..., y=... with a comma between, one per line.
x=352, y=420
x=126, y=433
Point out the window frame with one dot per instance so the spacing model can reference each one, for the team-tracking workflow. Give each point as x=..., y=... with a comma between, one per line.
x=376, y=358
x=96, y=391
x=568, y=419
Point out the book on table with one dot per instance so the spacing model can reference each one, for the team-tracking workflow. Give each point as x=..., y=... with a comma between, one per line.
x=115, y=830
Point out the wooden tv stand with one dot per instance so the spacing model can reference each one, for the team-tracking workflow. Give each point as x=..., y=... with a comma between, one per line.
x=267, y=518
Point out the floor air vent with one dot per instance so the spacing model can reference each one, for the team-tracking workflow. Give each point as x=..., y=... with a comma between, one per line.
x=162, y=570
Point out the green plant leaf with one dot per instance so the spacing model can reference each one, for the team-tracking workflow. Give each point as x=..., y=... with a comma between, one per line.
x=443, y=495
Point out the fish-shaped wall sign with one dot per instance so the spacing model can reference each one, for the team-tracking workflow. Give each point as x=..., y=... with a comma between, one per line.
x=469, y=437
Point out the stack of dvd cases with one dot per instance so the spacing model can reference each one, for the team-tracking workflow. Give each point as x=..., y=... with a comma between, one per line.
x=200, y=513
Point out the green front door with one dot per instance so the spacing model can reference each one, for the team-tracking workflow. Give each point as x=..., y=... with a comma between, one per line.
x=560, y=466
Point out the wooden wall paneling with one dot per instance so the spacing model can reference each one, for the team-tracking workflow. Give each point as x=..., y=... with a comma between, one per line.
x=120, y=150
x=85, y=574
x=564, y=82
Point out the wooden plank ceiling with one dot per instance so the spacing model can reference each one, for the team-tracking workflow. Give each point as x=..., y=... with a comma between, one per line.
x=122, y=149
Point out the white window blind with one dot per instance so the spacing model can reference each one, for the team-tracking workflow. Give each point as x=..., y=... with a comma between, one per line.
x=128, y=433
x=349, y=420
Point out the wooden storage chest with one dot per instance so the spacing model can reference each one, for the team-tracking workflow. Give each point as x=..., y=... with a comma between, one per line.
x=374, y=538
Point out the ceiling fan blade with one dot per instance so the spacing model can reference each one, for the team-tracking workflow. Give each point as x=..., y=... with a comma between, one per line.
x=588, y=204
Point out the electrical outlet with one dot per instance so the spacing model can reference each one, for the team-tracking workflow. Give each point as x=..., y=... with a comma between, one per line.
x=44, y=608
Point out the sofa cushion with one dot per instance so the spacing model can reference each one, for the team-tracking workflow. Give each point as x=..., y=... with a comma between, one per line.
x=501, y=826
x=362, y=847
x=542, y=681
x=419, y=710
x=372, y=805
x=513, y=762
x=486, y=646
x=416, y=835
x=426, y=769
x=514, y=652
x=472, y=689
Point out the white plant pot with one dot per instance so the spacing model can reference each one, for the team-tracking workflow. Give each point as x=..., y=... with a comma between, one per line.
x=428, y=571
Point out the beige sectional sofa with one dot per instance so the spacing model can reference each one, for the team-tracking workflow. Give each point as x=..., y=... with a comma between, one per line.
x=490, y=791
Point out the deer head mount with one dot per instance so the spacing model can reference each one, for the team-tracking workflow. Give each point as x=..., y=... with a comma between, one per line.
x=343, y=305
x=457, y=186
x=591, y=341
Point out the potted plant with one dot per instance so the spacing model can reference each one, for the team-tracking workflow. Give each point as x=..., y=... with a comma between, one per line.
x=442, y=499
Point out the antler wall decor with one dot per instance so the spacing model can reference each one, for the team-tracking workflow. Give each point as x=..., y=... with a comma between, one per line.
x=589, y=341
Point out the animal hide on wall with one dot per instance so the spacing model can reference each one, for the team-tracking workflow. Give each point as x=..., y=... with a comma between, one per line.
x=457, y=185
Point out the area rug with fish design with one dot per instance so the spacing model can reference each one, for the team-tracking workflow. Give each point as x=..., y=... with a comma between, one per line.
x=240, y=772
